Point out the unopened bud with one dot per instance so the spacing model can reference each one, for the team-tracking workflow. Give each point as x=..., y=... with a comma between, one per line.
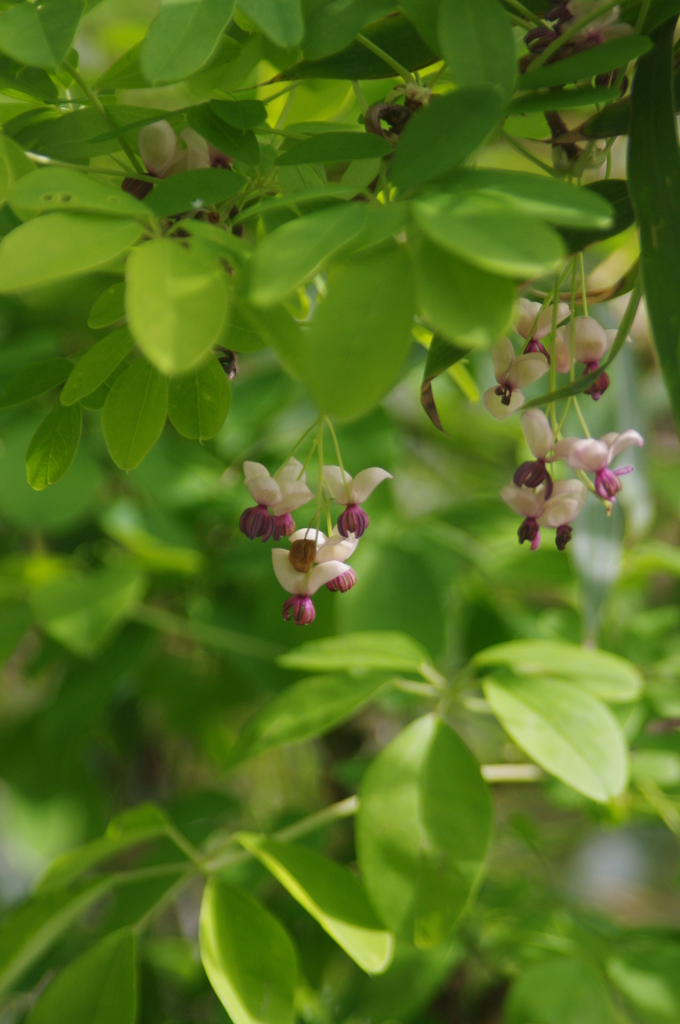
x=157, y=147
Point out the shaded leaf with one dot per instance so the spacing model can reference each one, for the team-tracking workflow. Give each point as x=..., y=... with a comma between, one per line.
x=14, y=164
x=182, y=37
x=362, y=652
x=558, y=992
x=35, y=380
x=198, y=402
x=109, y=307
x=134, y=414
x=615, y=191
x=191, y=190
x=233, y=142
x=53, y=446
x=58, y=188
x=280, y=20
x=96, y=366
x=333, y=24
x=441, y=354
x=334, y=147
x=596, y=60
x=40, y=34
x=476, y=40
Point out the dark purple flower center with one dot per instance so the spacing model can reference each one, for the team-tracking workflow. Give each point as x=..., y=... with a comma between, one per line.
x=530, y=531
x=354, y=520
x=563, y=536
x=607, y=483
x=505, y=391
x=533, y=474
x=537, y=346
x=257, y=522
x=300, y=609
x=599, y=385
x=344, y=582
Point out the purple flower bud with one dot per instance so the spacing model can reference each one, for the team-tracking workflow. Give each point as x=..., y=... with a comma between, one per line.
x=257, y=522
x=563, y=536
x=136, y=187
x=607, y=483
x=344, y=582
x=283, y=526
x=300, y=609
x=354, y=520
x=533, y=474
x=599, y=385
x=540, y=35
x=529, y=530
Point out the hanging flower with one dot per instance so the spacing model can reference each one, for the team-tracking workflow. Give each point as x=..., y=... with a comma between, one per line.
x=276, y=496
x=300, y=607
x=328, y=549
x=157, y=146
x=539, y=437
x=594, y=456
x=557, y=512
x=600, y=29
x=512, y=373
x=350, y=493
x=591, y=342
x=526, y=314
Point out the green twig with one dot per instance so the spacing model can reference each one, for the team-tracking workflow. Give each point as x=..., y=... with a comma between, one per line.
x=642, y=16
x=525, y=12
x=530, y=156
x=394, y=64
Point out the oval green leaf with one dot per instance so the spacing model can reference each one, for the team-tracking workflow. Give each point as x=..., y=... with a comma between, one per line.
x=280, y=20
x=596, y=60
x=476, y=40
x=358, y=652
x=53, y=447
x=40, y=34
x=192, y=190
x=176, y=302
x=248, y=957
x=198, y=402
x=35, y=380
x=13, y=165
x=96, y=366
x=62, y=245
x=109, y=307
x=568, y=991
x=565, y=730
x=234, y=142
x=241, y=114
x=422, y=831
x=335, y=147
x=182, y=37
x=134, y=414
x=58, y=189
x=332, y=895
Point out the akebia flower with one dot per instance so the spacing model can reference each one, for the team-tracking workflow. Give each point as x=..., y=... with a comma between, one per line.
x=539, y=438
x=157, y=145
x=533, y=323
x=512, y=373
x=556, y=512
x=327, y=549
x=302, y=585
x=601, y=29
x=276, y=496
x=350, y=492
x=591, y=342
x=595, y=456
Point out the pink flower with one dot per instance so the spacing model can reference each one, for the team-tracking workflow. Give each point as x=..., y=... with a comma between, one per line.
x=302, y=585
x=593, y=456
x=276, y=496
x=329, y=549
x=556, y=512
x=512, y=373
x=351, y=492
x=591, y=341
x=526, y=313
x=539, y=437
x=600, y=29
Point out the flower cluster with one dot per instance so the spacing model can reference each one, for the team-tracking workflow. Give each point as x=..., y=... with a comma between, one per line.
x=164, y=154
x=314, y=560
x=563, y=16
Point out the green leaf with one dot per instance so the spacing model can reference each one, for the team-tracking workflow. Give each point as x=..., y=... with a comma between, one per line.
x=605, y=675
x=440, y=355
x=358, y=652
x=250, y=328
x=558, y=992
x=594, y=61
x=82, y=612
x=565, y=730
x=234, y=142
x=53, y=447
x=95, y=400
x=182, y=37
x=13, y=165
x=191, y=190
x=296, y=252
x=646, y=970
x=241, y=114
x=332, y=895
x=304, y=710
x=96, y=366
x=360, y=335
x=280, y=20
x=176, y=302
x=467, y=305
x=423, y=14
x=566, y=99
x=198, y=402
x=491, y=234
x=422, y=831
x=124, y=73
x=443, y=134
x=334, y=147
x=615, y=191
x=332, y=25
x=57, y=188
x=100, y=987
x=35, y=380
x=248, y=957
x=109, y=307
x=476, y=41
x=654, y=182
x=40, y=34
x=134, y=414
x=62, y=245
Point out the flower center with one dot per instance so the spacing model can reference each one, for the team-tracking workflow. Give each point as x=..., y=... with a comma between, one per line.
x=505, y=391
x=302, y=555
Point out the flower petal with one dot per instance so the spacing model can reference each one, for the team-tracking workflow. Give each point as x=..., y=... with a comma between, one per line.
x=308, y=534
x=525, y=316
x=336, y=548
x=290, y=471
x=583, y=453
x=623, y=441
x=323, y=573
x=537, y=431
x=366, y=482
x=263, y=488
x=544, y=325
x=590, y=340
x=157, y=147
x=565, y=503
x=562, y=350
x=502, y=355
x=289, y=578
x=293, y=495
x=522, y=500
x=526, y=369
x=339, y=484
x=494, y=404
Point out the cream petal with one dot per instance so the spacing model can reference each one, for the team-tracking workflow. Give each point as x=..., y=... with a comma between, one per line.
x=559, y=512
x=289, y=578
x=293, y=495
x=263, y=488
x=290, y=470
x=198, y=154
x=336, y=548
x=366, y=482
x=623, y=441
x=157, y=147
x=525, y=316
x=526, y=369
x=590, y=340
x=321, y=574
x=617, y=31
x=316, y=535
x=339, y=483
x=494, y=404
x=586, y=454
x=522, y=500
x=562, y=350
x=502, y=355
x=537, y=431
x=544, y=325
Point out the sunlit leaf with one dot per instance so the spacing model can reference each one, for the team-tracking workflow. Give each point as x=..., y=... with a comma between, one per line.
x=182, y=37
x=40, y=34
x=198, y=401
x=96, y=366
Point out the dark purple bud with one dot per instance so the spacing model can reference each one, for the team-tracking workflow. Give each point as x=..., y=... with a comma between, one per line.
x=533, y=474
x=539, y=35
x=557, y=12
x=529, y=531
x=300, y=609
x=353, y=520
x=563, y=536
x=607, y=483
x=257, y=522
x=537, y=346
x=283, y=526
x=604, y=80
x=599, y=385
x=138, y=189
x=344, y=582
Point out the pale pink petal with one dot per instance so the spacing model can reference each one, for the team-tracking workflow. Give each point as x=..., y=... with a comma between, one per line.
x=537, y=432
x=586, y=454
x=289, y=578
x=494, y=404
x=293, y=495
x=522, y=500
x=336, y=548
x=625, y=440
x=366, y=482
x=263, y=488
x=526, y=369
x=290, y=470
x=590, y=340
x=565, y=503
x=544, y=325
x=315, y=535
x=321, y=574
x=502, y=355
x=562, y=350
x=339, y=483
x=157, y=147
x=525, y=315
x=198, y=154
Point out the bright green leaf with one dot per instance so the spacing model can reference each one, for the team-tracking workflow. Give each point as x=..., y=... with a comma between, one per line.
x=476, y=41
x=40, y=34
x=358, y=652
x=565, y=730
x=615, y=192
x=53, y=446
x=57, y=188
x=558, y=992
x=134, y=414
x=176, y=302
x=198, y=402
x=14, y=164
x=332, y=25
x=334, y=147
x=280, y=20
x=191, y=190
x=182, y=37
x=96, y=366
x=248, y=957
x=234, y=142
x=595, y=60
x=109, y=307
x=422, y=831
x=332, y=895
x=35, y=380
x=241, y=114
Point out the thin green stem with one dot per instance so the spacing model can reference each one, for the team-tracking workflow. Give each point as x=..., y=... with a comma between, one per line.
x=187, y=848
x=420, y=689
x=527, y=13
x=584, y=425
x=584, y=296
x=168, y=896
x=394, y=64
x=275, y=96
x=361, y=99
x=319, y=448
x=569, y=33
x=295, y=447
x=203, y=633
x=553, y=360
x=339, y=456
x=47, y=161
x=286, y=110
x=530, y=156
x=572, y=319
x=94, y=99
